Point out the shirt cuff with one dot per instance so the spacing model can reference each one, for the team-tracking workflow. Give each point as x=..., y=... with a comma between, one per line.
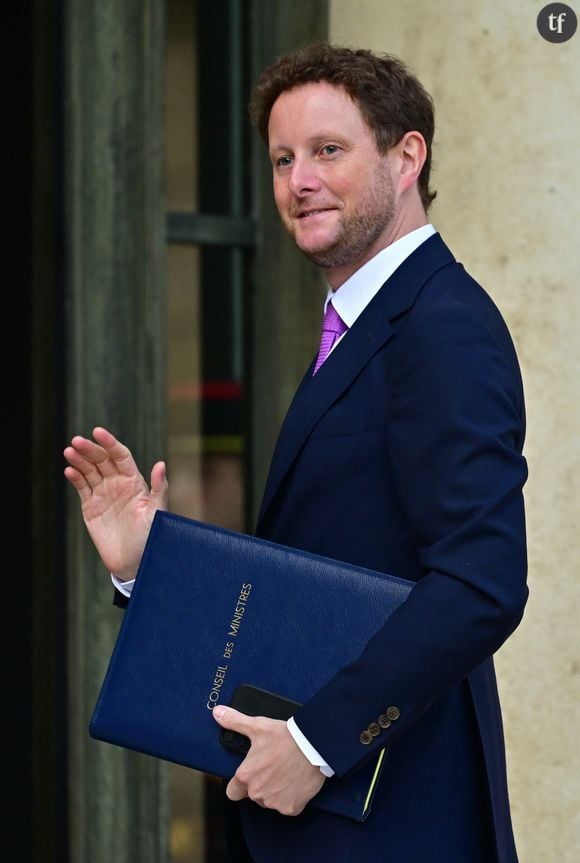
x=308, y=749
x=124, y=587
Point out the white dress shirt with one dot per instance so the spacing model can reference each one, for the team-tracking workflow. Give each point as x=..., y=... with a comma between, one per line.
x=349, y=300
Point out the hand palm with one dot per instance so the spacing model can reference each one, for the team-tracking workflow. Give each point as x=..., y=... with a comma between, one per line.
x=118, y=517
x=116, y=503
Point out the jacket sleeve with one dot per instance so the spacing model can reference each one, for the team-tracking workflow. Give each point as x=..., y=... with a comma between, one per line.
x=119, y=599
x=455, y=436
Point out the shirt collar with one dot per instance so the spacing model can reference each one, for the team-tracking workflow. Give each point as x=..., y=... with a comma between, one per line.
x=356, y=293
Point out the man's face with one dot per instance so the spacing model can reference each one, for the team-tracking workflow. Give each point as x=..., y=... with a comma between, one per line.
x=333, y=189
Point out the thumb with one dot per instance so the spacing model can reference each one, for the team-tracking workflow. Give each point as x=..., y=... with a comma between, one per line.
x=230, y=718
x=159, y=484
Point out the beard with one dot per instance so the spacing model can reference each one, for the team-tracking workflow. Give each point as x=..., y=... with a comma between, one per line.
x=359, y=229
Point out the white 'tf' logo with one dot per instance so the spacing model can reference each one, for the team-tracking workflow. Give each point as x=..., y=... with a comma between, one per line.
x=559, y=19
x=557, y=22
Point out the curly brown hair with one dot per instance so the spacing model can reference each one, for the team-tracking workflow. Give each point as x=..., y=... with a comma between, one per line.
x=390, y=98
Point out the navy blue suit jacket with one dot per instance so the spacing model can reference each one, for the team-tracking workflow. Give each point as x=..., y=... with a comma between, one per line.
x=404, y=454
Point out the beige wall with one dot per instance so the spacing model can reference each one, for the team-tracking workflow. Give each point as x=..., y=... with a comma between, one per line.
x=508, y=176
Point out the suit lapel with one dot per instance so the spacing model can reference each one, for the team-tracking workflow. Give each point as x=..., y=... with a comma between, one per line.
x=369, y=333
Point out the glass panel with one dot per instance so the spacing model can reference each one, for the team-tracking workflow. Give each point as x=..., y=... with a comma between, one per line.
x=205, y=443
x=184, y=372
x=187, y=828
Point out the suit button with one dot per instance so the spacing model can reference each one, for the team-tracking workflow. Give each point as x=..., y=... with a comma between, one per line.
x=384, y=720
x=374, y=729
x=365, y=737
x=393, y=713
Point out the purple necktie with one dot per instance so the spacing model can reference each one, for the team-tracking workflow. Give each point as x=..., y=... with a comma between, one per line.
x=332, y=329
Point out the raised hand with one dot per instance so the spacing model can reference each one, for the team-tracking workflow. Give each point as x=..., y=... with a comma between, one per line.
x=116, y=503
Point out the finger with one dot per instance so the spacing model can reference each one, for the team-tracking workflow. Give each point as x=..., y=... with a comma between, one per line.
x=107, y=454
x=232, y=719
x=119, y=453
x=236, y=790
x=78, y=481
x=95, y=455
x=159, y=484
x=83, y=465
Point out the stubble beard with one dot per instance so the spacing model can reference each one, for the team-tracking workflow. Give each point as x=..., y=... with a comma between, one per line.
x=359, y=230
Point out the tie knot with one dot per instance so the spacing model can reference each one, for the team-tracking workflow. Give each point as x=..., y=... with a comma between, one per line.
x=333, y=323
x=332, y=329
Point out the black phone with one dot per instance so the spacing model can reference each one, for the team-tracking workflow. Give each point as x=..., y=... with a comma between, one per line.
x=255, y=702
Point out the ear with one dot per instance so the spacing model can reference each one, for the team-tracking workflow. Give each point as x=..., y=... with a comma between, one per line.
x=411, y=152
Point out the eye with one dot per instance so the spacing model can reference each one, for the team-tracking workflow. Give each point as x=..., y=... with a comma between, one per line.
x=330, y=149
x=283, y=161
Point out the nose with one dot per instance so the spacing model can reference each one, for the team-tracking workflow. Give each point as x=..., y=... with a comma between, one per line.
x=303, y=177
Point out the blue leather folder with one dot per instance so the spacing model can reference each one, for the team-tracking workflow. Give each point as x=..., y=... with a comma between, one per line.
x=213, y=609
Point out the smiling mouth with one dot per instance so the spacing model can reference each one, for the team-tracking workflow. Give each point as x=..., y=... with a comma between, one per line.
x=309, y=213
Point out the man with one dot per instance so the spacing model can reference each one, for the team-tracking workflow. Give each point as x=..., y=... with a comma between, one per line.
x=402, y=451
